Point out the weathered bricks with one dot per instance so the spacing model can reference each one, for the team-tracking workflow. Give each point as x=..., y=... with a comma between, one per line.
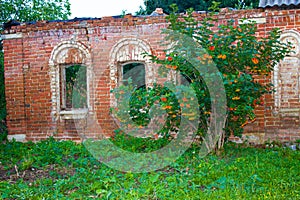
x=33, y=54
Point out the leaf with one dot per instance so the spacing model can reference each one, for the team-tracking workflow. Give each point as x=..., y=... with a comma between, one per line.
x=101, y=191
x=155, y=178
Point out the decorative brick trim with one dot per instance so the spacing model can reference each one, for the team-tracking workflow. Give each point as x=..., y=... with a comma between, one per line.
x=287, y=73
x=68, y=52
x=127, y=50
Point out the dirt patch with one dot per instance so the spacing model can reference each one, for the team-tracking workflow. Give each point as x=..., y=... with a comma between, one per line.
x=32, y=174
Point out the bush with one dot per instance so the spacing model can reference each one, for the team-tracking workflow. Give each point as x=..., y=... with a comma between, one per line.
x=239, y=56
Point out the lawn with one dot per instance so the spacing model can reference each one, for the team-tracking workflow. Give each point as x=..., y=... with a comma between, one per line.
x=53, y=169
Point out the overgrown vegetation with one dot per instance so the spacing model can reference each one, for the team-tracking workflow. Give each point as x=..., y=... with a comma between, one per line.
x=53, y=169
x=146, y=104
x=198, y=5
x=240, y=59
x=234, y=49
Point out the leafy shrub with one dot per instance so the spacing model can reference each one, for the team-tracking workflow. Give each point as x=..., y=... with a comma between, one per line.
x=241, y=60
x=239, y=55
x=134, y=107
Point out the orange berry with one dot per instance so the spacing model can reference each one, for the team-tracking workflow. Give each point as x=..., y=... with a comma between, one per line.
x=255, y=61
x=164, y=99
x=221, y=56
x=168, y=107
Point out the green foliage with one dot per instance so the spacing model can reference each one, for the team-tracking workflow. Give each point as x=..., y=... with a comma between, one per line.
x=32, y=10
x=141, y=11
x=239, y=4
x=65, y=170
x=138, y=145
x=158, y=97
x=239, y=56
x=161, y=107
x=202, y=5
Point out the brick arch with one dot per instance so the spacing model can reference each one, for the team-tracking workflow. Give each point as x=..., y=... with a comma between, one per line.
x=286, y=77
x=130, y=50
x=67, y=52
x=70, y=51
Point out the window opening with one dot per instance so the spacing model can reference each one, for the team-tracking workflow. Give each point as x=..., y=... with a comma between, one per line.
x=73, y=87
x=135, y=72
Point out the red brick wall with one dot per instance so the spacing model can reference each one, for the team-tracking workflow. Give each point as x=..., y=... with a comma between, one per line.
x=29, y=92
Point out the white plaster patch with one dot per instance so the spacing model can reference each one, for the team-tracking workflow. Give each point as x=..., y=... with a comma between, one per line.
x=18, y=137
x=261, y=20
x=11, y=36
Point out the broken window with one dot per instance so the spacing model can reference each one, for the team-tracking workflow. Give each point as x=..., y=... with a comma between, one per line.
x=73, y=88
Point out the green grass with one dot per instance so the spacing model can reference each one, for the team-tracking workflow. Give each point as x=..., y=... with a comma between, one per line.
x=64, y=170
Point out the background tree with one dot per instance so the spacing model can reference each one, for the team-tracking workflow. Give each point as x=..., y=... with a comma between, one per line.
x=22, y=11
x=32, y=10
x=198, y=5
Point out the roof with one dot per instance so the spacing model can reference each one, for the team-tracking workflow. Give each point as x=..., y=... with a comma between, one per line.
x=271, y=3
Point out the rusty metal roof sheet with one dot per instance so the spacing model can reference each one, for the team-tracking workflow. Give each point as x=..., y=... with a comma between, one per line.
x=271, y=3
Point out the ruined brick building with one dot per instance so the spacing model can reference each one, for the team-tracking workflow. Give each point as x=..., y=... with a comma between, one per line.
x=37, y=57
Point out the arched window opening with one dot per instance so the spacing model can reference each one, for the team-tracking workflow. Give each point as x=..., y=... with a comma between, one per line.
x=71, y=77
x=127, y=61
